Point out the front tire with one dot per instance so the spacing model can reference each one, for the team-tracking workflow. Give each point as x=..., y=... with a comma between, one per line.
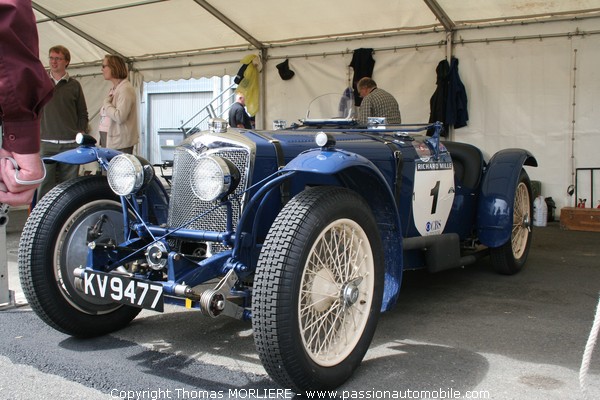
x=54, y=242
x=318, y=289
x=510, y=258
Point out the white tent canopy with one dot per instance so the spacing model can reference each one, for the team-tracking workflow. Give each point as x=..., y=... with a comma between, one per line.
x=161, y=29
x=529, y=67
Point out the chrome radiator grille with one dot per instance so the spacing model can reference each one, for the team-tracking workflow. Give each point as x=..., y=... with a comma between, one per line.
x=184, y=206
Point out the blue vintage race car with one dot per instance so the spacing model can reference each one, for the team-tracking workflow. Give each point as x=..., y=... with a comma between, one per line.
x=306, y=231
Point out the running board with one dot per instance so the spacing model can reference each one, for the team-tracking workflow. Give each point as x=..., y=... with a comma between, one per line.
x=441, y=251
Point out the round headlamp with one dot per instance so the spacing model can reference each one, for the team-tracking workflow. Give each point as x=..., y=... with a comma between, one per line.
x=325, y=140
x=127, y=174
x=214, y=178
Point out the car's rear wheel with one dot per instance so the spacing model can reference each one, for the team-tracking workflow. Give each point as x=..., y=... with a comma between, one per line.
x=55, y=242
x=318, y=289
x=510, y=258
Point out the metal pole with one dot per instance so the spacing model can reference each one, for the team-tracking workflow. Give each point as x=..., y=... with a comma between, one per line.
x=449, y=54
x=6, y=295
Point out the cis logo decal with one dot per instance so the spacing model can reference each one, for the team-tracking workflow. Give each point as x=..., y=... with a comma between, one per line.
x=433, y=226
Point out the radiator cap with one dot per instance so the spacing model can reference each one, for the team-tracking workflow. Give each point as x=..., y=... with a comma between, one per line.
x=217, y=125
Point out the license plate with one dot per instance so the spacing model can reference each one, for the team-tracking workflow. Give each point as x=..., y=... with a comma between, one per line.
x=124, y=290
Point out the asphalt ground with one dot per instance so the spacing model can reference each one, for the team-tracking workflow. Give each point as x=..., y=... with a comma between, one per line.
x=464, y=333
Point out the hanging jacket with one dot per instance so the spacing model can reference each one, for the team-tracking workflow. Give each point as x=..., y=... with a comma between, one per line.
x=248, y=83
x=439, y=99
x=456, y=108
x=362, y=63
x=448, y=104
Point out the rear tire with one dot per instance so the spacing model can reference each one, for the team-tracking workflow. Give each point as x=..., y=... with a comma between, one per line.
x=510, y=258
x=54, y=242
x=318, y=289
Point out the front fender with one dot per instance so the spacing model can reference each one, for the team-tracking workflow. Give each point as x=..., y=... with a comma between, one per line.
x=327, y=161
x=496, y=202
x=82, y=155
x=361, y=175
x=158, y=199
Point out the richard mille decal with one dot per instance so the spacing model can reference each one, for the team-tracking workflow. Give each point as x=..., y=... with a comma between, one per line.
x=434, y=166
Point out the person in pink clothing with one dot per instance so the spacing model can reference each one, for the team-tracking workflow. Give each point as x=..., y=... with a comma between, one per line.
x=118, y=116
x=25, y=88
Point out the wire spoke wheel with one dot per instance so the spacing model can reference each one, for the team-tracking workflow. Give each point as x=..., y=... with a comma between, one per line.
x=335, y=292
x=510, y=258
x=318, y=289
x=521, y=221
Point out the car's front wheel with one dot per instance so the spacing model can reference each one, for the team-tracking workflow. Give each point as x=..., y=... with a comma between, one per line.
x=318, y=289
x=55, y=242
x=510, y=258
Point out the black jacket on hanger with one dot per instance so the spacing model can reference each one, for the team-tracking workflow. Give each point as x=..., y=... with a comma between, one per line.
x=456, y=109
x=363, y=64
x=437, y=102
x=448, y=104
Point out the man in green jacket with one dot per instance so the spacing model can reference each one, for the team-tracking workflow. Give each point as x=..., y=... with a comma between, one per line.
x=63, y=117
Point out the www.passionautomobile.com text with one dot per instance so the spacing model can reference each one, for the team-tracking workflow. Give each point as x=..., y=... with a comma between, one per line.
x=255, y=394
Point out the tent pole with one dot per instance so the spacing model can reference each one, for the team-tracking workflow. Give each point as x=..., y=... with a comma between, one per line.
x=263, y=83
x=7, y=299
x=449, y=54
x=440, y=14
x=449, y=44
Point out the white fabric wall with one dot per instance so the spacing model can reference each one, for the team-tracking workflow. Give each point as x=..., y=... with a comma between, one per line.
x=520, y=93
x=401, y=73
x=407, y=73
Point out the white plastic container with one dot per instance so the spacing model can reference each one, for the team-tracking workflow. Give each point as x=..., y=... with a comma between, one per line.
x=540, y=211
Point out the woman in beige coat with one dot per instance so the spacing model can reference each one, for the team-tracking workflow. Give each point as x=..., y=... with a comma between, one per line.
x=118, y=115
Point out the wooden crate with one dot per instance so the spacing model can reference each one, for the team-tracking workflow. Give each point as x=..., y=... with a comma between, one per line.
x=580, y=219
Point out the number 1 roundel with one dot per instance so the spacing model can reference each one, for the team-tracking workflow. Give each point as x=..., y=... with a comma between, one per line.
x=433, y=196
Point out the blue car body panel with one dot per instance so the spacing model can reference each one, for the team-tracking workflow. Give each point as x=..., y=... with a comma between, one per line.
x=83, y=155
x=495, y=208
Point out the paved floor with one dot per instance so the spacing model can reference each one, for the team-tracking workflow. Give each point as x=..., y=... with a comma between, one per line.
x=467, y=331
